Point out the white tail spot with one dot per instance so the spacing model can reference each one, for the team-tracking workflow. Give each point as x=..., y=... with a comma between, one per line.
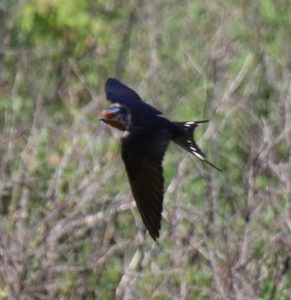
x=199, y=155
x=189, y=124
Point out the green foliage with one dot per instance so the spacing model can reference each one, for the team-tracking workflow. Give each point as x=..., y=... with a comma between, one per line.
x=67, y=24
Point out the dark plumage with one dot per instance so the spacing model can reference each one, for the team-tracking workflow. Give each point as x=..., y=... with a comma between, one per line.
x=144, y=142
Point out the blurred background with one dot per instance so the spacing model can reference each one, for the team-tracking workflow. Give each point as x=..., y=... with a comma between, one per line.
x=69, y=228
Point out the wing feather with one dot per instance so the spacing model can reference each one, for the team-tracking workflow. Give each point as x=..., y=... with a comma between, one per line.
x=145, y=174
x=117, y=92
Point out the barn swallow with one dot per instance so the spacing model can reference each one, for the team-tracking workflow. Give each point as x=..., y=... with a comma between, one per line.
x=146, y=136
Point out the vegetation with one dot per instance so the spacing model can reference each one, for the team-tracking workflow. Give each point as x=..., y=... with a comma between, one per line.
x=69, y=228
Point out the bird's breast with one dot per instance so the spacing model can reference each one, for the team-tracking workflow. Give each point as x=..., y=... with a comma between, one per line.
x=116, y=124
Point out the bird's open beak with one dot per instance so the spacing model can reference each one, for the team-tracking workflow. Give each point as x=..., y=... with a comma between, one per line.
x=109, y=118
x=105, y=115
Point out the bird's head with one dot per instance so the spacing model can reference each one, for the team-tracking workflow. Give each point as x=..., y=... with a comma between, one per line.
x=116, y=116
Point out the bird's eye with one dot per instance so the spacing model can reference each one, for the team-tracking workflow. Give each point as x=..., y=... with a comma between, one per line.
x=114, y=112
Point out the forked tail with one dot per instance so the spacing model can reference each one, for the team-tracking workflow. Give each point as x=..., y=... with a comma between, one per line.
x=187, y=142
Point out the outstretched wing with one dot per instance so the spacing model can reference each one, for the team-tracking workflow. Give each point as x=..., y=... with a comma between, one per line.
x=143, y=163
x=117, y=92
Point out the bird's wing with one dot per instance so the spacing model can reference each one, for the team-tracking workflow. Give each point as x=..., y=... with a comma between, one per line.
x=117, y=92
x=143, y=163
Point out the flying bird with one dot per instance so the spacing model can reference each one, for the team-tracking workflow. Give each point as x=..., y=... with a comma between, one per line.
x=146, y=136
